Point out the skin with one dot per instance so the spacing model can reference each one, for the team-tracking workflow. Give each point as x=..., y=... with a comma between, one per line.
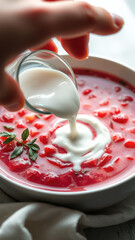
x=30, y=24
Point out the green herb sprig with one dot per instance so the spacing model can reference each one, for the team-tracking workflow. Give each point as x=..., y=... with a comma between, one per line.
x=32, y=147
x=7, y=127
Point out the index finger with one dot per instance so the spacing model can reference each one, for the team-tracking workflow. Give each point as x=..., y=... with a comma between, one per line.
x=73, y=19
x=101, y=23
x=34, y=25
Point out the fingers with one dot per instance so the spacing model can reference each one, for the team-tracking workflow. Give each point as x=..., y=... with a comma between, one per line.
x=50, y=45
x=33, y=25
x=73, y=19
x=77, y=47
x=11, y=96
x=96, y=20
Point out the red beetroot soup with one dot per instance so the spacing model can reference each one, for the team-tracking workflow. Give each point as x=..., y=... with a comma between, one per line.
x=106, y=97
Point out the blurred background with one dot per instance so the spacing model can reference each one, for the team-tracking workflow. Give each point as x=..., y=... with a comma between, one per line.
x=119, y=47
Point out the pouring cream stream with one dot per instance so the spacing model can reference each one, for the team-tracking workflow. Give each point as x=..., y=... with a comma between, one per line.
x=54, y=91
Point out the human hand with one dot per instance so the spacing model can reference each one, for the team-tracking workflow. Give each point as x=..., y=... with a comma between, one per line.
x=28, y=24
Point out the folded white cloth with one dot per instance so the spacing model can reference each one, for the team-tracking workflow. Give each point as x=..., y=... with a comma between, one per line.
x=41, y=221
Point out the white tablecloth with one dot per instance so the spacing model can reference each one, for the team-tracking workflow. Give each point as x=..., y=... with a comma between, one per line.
x=41, y=221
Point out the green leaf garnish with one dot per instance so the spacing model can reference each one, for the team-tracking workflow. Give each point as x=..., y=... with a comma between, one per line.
x=25, y=134
x=85, y=171
x=35, y=147
x=7, y=134
x=8, y=127
x=122, y=82
x=8, y=140
x=17, y=152
x=31, y=142
x=37, y=116
x=33, y=154
x=31, y=146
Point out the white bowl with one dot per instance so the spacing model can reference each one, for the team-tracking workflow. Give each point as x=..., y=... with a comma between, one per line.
x=105, y=195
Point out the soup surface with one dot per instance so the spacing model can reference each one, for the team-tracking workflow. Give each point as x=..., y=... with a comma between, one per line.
x=105, y=97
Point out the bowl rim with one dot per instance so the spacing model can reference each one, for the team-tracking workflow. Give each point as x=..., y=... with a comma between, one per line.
x=67, y=193
x=87, y=191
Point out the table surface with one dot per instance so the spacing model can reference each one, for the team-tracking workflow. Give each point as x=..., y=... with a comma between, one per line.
x=124, y=231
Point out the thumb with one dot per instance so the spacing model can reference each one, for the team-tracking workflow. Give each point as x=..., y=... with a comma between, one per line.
x=11, y=97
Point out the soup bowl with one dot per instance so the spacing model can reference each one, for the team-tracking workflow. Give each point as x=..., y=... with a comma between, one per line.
x=95, y=197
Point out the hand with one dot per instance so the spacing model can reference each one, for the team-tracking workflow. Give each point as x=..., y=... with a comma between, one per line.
x=29, y=24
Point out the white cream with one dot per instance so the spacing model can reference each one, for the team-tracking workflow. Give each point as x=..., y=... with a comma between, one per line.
x=52, y=90
x=83, y=144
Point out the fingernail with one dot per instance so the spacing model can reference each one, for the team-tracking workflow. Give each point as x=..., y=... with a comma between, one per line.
x=14, y=107
x=118, y=21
